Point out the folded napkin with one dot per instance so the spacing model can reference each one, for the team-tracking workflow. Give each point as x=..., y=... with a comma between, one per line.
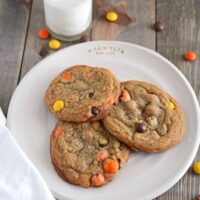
x=19, y=179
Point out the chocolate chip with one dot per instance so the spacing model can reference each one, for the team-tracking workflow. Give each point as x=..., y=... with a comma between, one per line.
x=159, y=26
x=141, y=127
x=91, y=94
x=95, y=111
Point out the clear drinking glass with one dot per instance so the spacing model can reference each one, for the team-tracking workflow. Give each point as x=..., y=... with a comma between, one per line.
x=68, y=19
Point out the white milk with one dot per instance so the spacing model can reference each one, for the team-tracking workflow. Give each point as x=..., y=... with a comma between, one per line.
x=68, y=19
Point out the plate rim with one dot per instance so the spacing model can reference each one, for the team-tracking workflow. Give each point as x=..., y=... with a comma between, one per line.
x=180, y=174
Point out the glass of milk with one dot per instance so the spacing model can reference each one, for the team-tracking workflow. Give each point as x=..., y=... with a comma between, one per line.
x=68, y=19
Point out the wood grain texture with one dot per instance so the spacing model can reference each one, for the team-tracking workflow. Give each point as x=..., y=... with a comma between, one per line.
x=181, y=34
x=138, y=33
x=34, y=44
x=14, y=16
x=141, y=33
x=142, y=14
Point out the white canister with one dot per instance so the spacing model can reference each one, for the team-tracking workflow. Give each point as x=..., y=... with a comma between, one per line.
x=68, y=19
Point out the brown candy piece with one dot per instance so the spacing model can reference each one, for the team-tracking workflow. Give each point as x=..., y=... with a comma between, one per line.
x=141, y=127
x=159, y=26
x=95, y=111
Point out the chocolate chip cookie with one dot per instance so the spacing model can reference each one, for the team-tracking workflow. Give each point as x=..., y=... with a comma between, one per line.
x=82, y=93
x=146, y=118
x=86, y=154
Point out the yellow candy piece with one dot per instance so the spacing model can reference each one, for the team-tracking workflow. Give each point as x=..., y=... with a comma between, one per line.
x=196, y=167
x=171, y=105
x=54, y=44
x=111, y=16
x=58, y=105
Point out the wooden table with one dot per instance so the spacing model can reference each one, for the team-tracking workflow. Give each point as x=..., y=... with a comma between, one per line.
x=20, y=21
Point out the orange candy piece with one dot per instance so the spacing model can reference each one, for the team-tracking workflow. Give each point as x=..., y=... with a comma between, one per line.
x=190, y=56
x=111, y=166
x=67, y=76
x=58, y=133
x=125, y=96
x=98, y=180
x=102, y=156
x=110, y=101
x=43, y=33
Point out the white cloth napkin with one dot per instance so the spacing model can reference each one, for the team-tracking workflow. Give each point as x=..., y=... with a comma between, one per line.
x=19, y=179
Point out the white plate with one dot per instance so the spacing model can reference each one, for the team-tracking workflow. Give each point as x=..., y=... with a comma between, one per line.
x=145, y=176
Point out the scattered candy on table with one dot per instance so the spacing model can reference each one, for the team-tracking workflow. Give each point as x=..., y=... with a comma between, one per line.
x=190, y=56
x=54, y=44
x=171, y=105
x=43, y=33
x=196, y=167
x=58, y=105
x=159, y=26
x=111, y=16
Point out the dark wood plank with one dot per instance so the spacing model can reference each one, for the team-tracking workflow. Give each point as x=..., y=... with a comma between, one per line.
x=14, y=17
x=181, y=34
x=34, y=44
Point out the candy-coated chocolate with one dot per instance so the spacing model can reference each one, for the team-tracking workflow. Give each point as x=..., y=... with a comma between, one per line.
x=95, y=111
x=196, y=167
x=190, y=56
x=111, y=166
x=111, y=101
x=102, y=156
x=67, y=76
x=125, y=96
x=171, y=105
x=43, y=33
x=141, y=127
x=58, y=105
x=159, y=26
x=98, y=180
x=54, y=44
x=111, y=16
